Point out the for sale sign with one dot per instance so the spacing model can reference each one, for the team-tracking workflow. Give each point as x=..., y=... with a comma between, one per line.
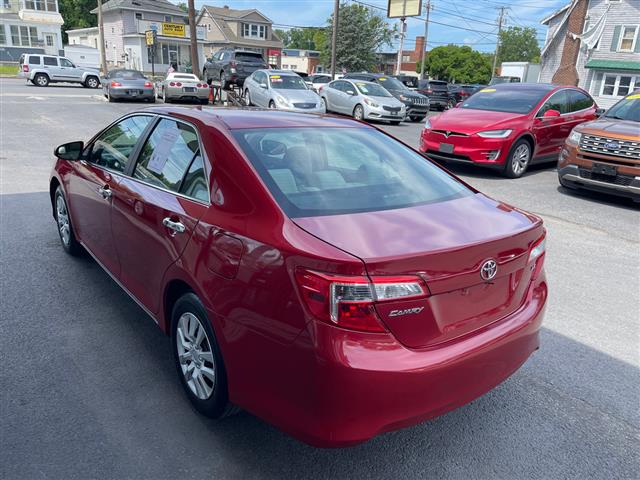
x=404, y=8
x=173, y=29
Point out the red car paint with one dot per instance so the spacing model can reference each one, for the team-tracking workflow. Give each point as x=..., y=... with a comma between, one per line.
x=324, y=384
x=460, y=126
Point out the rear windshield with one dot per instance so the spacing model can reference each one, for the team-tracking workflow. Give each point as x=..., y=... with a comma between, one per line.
x=128, y=74
x=626, y=109
x=332, y=171
x=510, y=100
x=249, y=57
x=185, y=77
x=287, y=82
x=372, y=89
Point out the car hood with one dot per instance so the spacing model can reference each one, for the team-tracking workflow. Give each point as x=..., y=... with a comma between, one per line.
x=296, y=96
x=610, y=126
x=470, y=121
x=388, y=101
x=406, y=93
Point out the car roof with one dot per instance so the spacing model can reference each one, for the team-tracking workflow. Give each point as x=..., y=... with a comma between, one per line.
x=245, y=118
x=541, y=87
x=270, y=71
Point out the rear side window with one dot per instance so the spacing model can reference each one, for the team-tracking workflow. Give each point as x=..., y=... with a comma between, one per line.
x=50, y=61
x=34, y=60
x=332, y=171
x=171, y=159
x=113, y=147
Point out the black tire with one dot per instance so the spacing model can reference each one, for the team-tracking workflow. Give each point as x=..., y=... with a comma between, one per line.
x=394, y=123
x=223, y=81
x=324, y=104
x=358, y=112
x=272, y=105
x=416, y=118
x=216, y=405
x=204, y=101
x=152, y=100
x=109, y=97
x=247, y=98
x=511, y=170
x=41, y=80
x=92, y=82
x=70, y=244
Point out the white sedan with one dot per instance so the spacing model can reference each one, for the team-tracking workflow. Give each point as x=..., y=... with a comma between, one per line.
x=183, y=86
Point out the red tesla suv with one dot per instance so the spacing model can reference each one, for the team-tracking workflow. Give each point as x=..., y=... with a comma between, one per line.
x=309, y=269
x=508, y=126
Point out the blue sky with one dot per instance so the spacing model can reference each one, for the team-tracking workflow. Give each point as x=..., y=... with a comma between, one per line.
x=472, y=22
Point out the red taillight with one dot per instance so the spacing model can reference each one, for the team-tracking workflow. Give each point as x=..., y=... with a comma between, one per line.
x=148, y=84
x=25, y=68
x=348, y=301
x=116, y=84
x=203, y=85
x=536, y=255
x=178, y=84
x=321, y=87
x=172, y=84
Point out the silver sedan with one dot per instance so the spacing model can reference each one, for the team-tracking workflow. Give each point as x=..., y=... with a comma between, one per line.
x=183, y=86
x=127, y=85
x=363, y=100
x=282, y=90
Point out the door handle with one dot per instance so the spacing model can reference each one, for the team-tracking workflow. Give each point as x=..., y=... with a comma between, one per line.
x=105, y=192
x=177, y=227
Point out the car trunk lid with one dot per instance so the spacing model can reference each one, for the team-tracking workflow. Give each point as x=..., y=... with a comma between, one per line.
x=445, y=244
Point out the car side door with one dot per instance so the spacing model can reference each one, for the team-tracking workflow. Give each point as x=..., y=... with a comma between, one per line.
x=69, y=71
x=581, y=108
x=158, y=205
x=96, y=176
x=339, y=96
x=50, y=65
x=549, y=131
x=351, y=97
x=260, y=79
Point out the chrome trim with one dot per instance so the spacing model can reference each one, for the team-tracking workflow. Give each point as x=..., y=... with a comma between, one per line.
x=613, y=186
x=570, y=113
x=133, y=297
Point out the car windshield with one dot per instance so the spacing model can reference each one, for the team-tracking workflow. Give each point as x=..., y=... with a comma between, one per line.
x=127, y=74
x=510, y=100
x=626, y=109
x=287, y=82
x=372, y=89
x=333, y=171
x=249, y=57
x=391, y=83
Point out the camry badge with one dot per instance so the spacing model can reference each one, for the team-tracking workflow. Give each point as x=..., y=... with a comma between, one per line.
x=489, y=270
x=406, y=311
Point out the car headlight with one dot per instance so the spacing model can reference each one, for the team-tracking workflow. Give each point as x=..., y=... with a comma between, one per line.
x=282, y=101
x=574, y=137
x=371, y=103
x=495, y=133
x=404, y=98
x=427, y=124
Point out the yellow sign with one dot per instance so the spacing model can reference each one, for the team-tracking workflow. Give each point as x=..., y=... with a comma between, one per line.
x=149, y=37
x=488, y=90
x=173, y=29
x=635, y=96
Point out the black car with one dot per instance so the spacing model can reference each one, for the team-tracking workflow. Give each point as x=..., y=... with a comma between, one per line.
x=459, y=93
x=410, y=81
x=437, y=91
x=232, y=67
x=417, y=105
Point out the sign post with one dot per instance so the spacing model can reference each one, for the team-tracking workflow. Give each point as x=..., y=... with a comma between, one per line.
x=402, y=9
x=150, y=37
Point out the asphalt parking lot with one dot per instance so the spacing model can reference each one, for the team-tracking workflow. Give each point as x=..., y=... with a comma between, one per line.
x=89, y=390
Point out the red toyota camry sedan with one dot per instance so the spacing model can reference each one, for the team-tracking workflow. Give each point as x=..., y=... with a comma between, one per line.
x=508, y=126
x=309, y=269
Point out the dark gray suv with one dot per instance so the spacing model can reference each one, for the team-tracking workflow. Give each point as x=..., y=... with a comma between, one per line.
x=232, y=67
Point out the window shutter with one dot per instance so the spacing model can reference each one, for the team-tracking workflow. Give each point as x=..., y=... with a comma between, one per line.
x=597, y=81
x=616, y=37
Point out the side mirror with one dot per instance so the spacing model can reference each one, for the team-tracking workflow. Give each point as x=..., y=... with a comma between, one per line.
x=551, y=113
x=263, y=85
x=600, y=112
x=69, y=151
x=351, y=92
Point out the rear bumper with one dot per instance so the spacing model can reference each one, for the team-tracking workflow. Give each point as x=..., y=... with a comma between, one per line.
x=177, y=93
x=471, y=149
x=366, y=384
x=124, y=92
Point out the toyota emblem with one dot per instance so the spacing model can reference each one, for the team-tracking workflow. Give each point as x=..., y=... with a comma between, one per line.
x=489, y=270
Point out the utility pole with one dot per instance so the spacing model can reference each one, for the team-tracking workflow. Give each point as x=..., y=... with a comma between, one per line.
x=103, y=53
x=428, y=7
x=334, y=37
x=195, y=64
x=403, y=27
x=495, y=57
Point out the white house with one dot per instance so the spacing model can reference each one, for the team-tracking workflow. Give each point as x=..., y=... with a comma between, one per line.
x=29, y=26
x=594, y=44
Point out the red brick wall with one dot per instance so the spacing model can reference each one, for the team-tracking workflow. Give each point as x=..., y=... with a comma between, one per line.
x=567, y=73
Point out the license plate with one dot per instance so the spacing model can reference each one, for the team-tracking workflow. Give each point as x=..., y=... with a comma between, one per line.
x=189, y=89
x=446, y=148
x=394, y=113
x=133, y=93
x=604, y=169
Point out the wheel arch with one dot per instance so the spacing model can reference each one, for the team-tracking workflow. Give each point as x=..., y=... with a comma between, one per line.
x=174, y=289
x=528, y=136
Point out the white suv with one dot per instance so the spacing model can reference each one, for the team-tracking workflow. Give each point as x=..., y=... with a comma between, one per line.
x=44, y=69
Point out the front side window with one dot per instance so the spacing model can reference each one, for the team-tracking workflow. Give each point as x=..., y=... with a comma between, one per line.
x=628, y=38
x=171, y=159
x=65, y=63
x=559, y=102
x=333, y=171
x=113, y=147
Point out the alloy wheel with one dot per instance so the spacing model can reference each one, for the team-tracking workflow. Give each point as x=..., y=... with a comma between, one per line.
x=358, y=113
x=247, y=98
x=92, y=82
x=195, y=356
x=42, y=81
x=520, y=159
x=62, y=216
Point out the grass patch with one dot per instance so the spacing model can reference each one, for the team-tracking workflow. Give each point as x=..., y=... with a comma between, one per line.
x=8, y=70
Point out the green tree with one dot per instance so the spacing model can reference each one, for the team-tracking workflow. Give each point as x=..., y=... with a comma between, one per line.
x=282, y=35
x=361, y=33
x=518, y=44
x=302, y=38
x=460, y=64
x=77, y=14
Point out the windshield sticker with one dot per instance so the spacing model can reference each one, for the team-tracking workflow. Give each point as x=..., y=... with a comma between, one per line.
x=487, y=90
x=363, y=87
x=381, y=79
x=161, y=153
x=275, y=78
x=635, y=96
